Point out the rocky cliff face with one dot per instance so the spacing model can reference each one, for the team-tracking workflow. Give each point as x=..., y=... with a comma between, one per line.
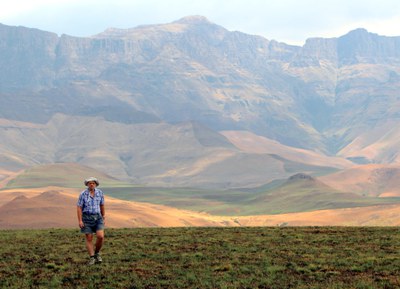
x=27, y=58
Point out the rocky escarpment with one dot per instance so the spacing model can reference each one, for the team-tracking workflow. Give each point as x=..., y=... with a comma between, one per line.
x=321, y=96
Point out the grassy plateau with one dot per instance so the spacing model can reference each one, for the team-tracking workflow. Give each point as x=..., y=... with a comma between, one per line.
x=246, y=257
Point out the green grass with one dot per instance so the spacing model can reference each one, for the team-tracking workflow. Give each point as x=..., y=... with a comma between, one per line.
x=260, y=257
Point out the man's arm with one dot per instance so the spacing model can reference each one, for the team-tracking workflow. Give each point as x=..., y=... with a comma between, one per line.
x=79, y=213
x=103, y=213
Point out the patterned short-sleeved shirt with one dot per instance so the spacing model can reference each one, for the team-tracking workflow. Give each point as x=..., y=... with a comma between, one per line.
x=89, y=204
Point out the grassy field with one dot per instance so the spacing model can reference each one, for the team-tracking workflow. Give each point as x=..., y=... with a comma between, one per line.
x=260, y=257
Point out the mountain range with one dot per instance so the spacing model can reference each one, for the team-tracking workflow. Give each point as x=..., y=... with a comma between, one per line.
x=319, y=96
x=191, y=104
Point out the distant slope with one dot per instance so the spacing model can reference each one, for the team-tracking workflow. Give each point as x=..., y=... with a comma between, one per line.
x=6, y=176
x=377, y=145
x=252, y=143
x=68, y=175
x=370, y=180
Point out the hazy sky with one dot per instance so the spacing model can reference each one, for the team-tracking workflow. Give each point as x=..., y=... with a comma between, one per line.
x=289, y=21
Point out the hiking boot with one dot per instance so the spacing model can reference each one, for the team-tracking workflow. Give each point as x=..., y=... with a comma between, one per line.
x=98, y=258
x=92, y=261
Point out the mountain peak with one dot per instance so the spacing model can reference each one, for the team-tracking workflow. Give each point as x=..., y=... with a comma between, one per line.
x=193, y=19
x=359, y=31
x=301, y=176
x=360, y=34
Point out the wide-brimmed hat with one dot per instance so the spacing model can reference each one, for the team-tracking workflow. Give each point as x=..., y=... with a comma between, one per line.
x=92, y=179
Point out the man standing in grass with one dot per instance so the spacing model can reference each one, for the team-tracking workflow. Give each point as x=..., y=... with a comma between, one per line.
x=91, y=218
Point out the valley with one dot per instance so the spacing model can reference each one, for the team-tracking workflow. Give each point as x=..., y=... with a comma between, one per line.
x=298, y=201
